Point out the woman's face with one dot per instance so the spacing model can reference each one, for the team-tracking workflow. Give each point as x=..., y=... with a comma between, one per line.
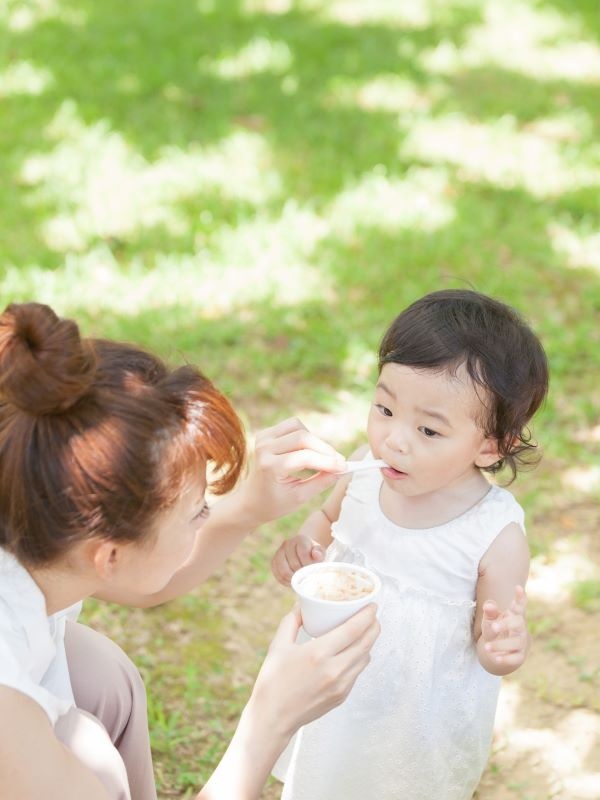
x=151, y=565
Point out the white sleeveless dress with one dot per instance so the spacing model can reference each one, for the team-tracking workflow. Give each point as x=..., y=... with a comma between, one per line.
x=418, y=722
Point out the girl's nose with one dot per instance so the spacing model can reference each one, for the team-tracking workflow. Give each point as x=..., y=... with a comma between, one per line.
x=397, y=440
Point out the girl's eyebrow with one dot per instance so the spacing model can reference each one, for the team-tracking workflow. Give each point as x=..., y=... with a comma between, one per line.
x=436, y=414
x=429, y=412
x=381, y=385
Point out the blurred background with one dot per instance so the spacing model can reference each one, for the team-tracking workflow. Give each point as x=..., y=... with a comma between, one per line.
x=260, y=186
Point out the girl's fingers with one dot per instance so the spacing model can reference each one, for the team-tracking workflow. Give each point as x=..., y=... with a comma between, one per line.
x=490, y=610
x=508, y=624
x=519, y=602
x=307, y=551
x=280, y=569
x=317, y=554
x=511, y=659
x=509, y=645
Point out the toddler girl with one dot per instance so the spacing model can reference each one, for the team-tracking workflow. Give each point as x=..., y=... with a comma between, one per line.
x=460, y=376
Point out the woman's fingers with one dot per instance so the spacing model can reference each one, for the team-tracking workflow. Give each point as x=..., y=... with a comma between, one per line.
x=288, y=628
x=350, y=632
x=275, y=485
x=299, y=682
x=290, y=463
x=281, y=429
x=286, y=439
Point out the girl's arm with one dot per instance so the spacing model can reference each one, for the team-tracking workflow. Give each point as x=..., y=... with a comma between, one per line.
x=314, y=536
x=296, y=684
x=500, y=629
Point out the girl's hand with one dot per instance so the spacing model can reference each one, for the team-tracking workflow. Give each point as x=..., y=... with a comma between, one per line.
x=293, y=554
x=504, y=633
x=274, y=486
x=299, y=682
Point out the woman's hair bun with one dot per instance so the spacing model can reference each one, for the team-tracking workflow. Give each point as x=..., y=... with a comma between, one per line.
x=45, y=366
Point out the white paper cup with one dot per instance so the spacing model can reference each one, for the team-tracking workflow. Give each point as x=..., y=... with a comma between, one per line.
x=320, y=616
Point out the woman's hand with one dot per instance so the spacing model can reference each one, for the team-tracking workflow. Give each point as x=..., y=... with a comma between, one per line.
x=274, y=486
x=299, y=682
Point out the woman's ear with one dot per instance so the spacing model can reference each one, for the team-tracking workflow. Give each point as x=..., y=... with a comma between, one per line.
x=488, y=453
x=105, y=557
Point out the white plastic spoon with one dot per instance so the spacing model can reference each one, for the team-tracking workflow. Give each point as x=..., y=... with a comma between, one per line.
x=354, y=466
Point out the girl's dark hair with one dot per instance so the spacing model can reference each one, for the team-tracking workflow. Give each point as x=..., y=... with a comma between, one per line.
x=97, y=437
x=447, y=329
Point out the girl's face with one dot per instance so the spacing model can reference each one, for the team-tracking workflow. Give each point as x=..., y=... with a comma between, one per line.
x=423, y=424
x=151, y=564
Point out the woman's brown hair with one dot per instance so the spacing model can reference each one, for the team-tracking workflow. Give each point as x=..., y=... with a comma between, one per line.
x=98, y=437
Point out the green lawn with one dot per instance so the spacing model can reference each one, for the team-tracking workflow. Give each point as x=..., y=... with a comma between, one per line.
x=260, y=186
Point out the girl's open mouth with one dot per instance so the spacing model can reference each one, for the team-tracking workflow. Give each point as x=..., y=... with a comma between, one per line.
x=392, y=473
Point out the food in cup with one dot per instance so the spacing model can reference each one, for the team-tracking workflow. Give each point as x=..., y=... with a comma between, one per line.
x=335, y=584
x=330, y=592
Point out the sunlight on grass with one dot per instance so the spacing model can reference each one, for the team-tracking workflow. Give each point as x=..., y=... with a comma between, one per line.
x=267, y=6
x=96, y=281
x=22, y=15
x=81, y=174
x=343, y=424
x=578, y=250
x=405, y=13
x=259, y=55
x=23, y=77
x=553, y=575
x=565, y=751
x=392, y=93
x=582, y=479
x=500, y=153
x=585, y=435
x=418, y=202
x=541, y=43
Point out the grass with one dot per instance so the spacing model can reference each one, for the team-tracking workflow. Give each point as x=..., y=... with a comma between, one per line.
x=260, y=186
x=586, y=595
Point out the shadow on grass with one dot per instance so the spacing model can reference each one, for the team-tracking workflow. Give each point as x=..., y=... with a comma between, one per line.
x=150, y=73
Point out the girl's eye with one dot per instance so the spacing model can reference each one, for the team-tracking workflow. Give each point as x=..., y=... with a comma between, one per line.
x=203, y=513
x=383, y=410
x=428, y=432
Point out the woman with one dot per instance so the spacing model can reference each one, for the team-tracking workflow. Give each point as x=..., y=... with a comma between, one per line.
x=103, y=456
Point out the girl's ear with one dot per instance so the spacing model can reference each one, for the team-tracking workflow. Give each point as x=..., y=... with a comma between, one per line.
x=488, y=453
